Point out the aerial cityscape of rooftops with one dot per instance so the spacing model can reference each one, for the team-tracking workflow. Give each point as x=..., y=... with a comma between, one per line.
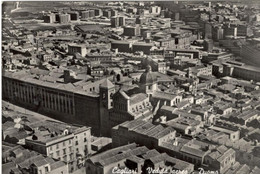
x=131, y=87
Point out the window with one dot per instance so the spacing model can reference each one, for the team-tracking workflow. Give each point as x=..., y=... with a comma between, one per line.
x=64, y=151
x=58, y=153
x=85, y=139
x=57, y=146
x=76, y=143
x=69, y=141
x=46, y=169
x=50, y=147
x=176, y=41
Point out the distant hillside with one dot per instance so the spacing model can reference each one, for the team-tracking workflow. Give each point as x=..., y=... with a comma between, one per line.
x=33, y=6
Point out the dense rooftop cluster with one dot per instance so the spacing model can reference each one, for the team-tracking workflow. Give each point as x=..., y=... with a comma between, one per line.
x=132, y=86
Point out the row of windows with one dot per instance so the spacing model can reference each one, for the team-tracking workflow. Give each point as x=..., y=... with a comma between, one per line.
x=74, y=50
x=58, y=145
x=77, y=143
x=97, y=71
x=20, y=91
x=85, y=134
x=62, y=152
x=56, y=101
x=50, y=99
x=102, y=58
x=137, y=107
x=66, y=157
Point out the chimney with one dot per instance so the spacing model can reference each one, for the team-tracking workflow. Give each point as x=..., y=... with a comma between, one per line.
x=67, y=76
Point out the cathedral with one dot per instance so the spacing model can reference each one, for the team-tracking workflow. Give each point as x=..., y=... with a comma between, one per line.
x=132, y=102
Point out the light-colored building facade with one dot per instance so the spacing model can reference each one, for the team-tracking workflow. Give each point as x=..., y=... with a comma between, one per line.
x=69, y=146
x=81, y=49
x=45, y=167
x=240, y=70
x=221, y=159
x=64, y=18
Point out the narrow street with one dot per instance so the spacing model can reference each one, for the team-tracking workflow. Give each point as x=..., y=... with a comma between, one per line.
x=26, y=111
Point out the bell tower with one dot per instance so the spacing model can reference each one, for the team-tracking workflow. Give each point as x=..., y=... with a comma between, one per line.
x=106, y=90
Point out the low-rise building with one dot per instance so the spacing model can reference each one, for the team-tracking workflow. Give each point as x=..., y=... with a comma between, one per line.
x=122, y=46
x=84, y=14
x=76, y=48
x=141, y=132
x=74, y=16
x=61, y=142
x=91, y=13
x=245, y=117
x=20, y=160
x=193, y=151
x=200, y=70
x=114, y=21
x=49, y=18
x=241, y=70
x=166, y=98
x=220, y=159
x=234, y=135
x=133, y=159
x=131, y=31
x=64, y=18
x=102, y=57
x=107, y=13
